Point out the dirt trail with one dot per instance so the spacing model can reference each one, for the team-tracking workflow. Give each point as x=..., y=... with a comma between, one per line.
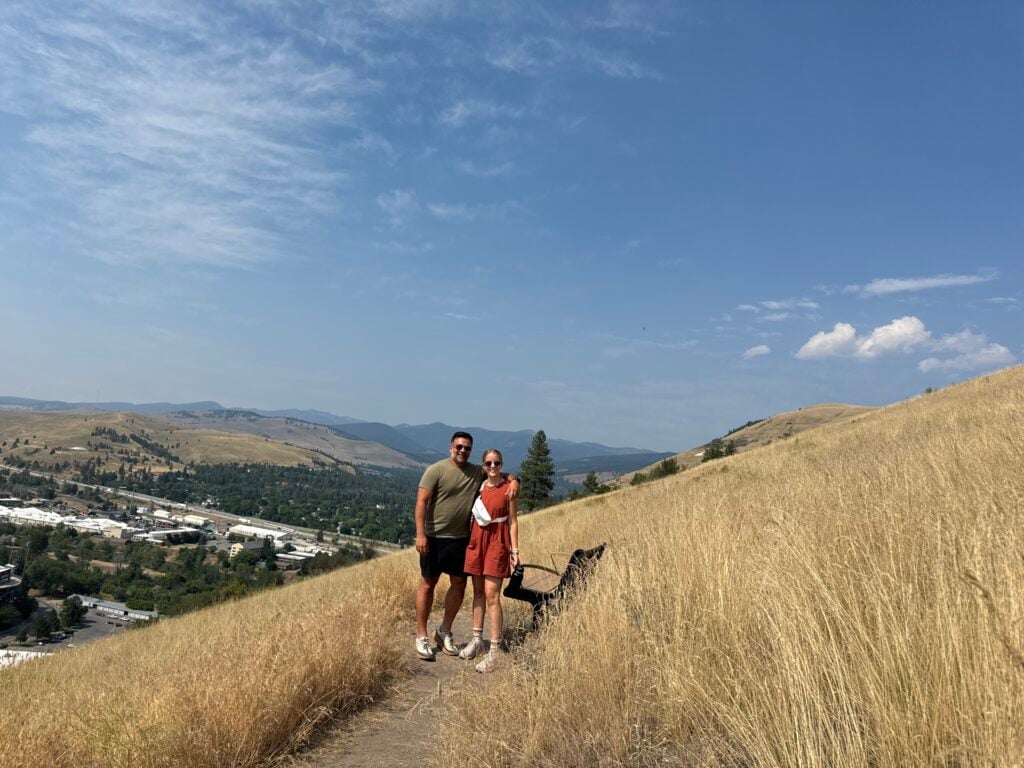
x=399, y=729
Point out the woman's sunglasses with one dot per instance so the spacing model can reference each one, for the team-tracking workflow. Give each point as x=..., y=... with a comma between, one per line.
x=492, y=463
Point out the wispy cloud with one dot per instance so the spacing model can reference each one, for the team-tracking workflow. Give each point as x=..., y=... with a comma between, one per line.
x=468, y=212
x=759, y=351
x=901, y=335
x=178, y=141
x=886, y=285
x=469, y=168
x=1008, y=303
x=469, y=110
x=777, y=311
x=398, y=204
x=623, y=345
x=537, y=54
x=461, y=317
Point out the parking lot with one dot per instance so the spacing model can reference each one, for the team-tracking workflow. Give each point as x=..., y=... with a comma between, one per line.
x=92, y=628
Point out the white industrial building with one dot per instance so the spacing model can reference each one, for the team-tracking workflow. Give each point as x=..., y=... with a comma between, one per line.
x=100, y=526
x=160, y=536
x=116, y=610
x=252, y=531
x=32, y=516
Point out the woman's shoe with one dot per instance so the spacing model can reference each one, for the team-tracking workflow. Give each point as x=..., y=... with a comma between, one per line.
x=490, y=662
x=473, y=649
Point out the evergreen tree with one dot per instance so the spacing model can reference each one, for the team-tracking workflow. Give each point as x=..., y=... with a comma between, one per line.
x=590, y=483
x=536, y=474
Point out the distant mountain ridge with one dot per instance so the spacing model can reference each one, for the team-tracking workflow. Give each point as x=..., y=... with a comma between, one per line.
x=424, y=443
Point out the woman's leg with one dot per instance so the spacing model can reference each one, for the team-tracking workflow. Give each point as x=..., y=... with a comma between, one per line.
x=475, y=646
x=479, y=603
x=492, y=594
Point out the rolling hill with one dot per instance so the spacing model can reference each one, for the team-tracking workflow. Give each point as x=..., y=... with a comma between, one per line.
x=110, y=439
x=766, y=431
x=331, y=441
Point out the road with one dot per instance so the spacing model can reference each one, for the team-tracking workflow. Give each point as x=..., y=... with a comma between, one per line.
x=380, y=547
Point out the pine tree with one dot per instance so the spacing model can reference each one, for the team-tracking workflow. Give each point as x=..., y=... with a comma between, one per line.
x=536, y=474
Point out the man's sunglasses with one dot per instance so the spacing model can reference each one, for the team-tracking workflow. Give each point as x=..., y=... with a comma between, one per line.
x=466, y=448
x=492, y=463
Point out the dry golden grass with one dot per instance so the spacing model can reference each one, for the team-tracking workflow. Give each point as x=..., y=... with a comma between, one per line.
x=853, y=596
x=233, y=685
x=849, y=597
x=767, y=431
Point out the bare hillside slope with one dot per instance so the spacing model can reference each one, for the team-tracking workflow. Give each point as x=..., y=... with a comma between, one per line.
x=767, y=431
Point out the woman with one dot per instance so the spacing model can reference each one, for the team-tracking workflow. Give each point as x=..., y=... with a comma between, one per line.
x=492, y=553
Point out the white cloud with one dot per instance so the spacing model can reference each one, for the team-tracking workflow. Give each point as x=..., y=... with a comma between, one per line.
x=457, y=316
x=758, y=351
x=841, y=341
x=779, y=310
x=887, y=285
x=901, y=335
x=975, y=353
x=791, y=304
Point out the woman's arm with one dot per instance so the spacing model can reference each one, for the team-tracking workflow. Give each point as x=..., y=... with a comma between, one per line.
x=513, y=529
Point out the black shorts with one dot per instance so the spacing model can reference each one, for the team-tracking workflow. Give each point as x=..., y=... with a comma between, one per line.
x=444, y=556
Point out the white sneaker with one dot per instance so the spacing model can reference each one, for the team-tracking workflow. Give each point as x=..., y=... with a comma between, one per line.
x=473, y=649
x=445, y=642
x=424, y=649
x=490, y=661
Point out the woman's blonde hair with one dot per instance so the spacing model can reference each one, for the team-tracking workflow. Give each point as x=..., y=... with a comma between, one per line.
x=489, y=451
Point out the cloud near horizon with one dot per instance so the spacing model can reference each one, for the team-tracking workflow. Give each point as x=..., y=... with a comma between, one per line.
x=975, y=353
x=906, y=334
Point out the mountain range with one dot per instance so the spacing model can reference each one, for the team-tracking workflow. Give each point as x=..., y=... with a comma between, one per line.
x=423, y=443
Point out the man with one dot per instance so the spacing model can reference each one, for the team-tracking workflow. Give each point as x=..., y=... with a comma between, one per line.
x=443, y=510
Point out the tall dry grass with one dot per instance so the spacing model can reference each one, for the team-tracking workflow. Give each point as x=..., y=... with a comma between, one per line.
x=850, y=597
x=234, y=685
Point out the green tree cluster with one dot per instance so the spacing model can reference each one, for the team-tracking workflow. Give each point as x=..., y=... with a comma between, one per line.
x=663, y=468
x=718, y=449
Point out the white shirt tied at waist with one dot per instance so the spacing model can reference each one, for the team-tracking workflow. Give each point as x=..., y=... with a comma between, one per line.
x=480, y=513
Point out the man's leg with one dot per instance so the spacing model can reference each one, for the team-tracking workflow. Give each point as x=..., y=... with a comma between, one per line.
x=452, y=601
x=424, y=602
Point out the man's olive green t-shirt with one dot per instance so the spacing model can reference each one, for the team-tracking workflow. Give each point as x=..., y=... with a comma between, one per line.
x=452, y=491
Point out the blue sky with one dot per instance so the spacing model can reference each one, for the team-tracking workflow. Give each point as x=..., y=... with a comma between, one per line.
x=640, y=223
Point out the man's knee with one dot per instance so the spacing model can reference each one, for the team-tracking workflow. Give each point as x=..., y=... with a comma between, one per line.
x=458, y=583
x=427, y=583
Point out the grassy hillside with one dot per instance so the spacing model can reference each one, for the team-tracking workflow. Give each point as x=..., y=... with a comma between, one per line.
x=767, y=431
x=851, y=596
x=302, y=434
x=57, y=438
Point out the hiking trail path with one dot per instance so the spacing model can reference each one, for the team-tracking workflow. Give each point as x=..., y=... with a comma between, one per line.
x=399, y=728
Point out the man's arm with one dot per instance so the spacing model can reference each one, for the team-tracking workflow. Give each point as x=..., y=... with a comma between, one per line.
x=513, y=486
x=423, y=496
